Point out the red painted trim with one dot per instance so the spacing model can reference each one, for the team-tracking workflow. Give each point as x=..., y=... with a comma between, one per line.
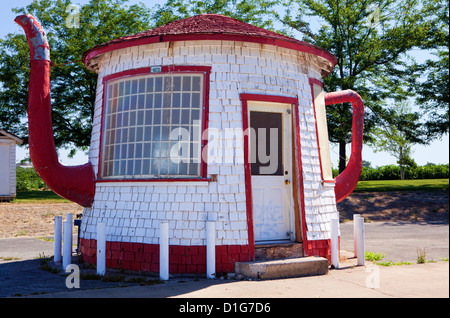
x=132, y=72
x=298, y=46
x=315, y=81
x=75, y=183
x=248, y=180
x=268, y=98
x=347, y=180
x=318, y=248
x=206, y=70
x=301, y=187
x=312, y=82
x=182, y=259
x=204, y=146
x=90, y=54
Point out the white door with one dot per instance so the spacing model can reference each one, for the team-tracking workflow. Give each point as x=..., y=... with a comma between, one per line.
x=270, y=157
x=4, y=169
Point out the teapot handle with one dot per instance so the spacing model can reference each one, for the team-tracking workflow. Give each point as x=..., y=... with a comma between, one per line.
x=347, y=180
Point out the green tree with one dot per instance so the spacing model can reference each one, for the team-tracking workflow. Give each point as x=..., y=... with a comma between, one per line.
x=396, y=136
x=255, y=12
x=372, y=41
x=430, y=79
x=73, y=87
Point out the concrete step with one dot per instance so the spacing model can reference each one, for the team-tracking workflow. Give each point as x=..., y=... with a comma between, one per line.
x=283, y=268
x=272, y=251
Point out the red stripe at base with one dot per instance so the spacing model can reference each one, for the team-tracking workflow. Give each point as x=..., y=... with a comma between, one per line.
x=182, y=259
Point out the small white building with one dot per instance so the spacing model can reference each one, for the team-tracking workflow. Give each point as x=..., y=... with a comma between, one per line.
x=8, y=144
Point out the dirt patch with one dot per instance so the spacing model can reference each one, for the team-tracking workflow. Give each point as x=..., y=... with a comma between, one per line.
x=37, y=219
x=420, y=206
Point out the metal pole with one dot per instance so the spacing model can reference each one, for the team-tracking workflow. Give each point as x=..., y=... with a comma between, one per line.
x=101, y=248
x=334, y=242
x=67, y=244
x=210, y=249
x=355, y=241
x=360, y=239
x=58, y=239
x=164, y=251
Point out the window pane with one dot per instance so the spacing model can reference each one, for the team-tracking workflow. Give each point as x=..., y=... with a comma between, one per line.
x=158, y=84
x=177, y=83
x=157, y=117
x=127, y=88
x=155, y=167
x=132, y=118
x=134, y=87
x=142, y=85
x=156, y=133
x=149, y=101
x=141, y=101
x=158, y=100
x=186, y=83
x=147, y=148
x=175, y=116
x=139, y=133
x=123, y=165
x=196, y=83
x=130, y=164
x=148, y=133
x=146, y=167
x=195, y=100
x=150, y=84
x=176, y=100
x=137, y=167
x=148, y=118
x=186, y=100
x=132, y=135
x=138, y=150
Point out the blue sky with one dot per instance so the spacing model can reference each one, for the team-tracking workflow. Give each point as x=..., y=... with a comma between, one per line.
x=436, y=152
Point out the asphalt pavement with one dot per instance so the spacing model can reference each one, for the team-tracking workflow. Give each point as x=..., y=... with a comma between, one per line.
x=20, y=276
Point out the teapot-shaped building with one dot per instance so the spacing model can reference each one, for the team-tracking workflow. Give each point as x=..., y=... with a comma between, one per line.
x=202, y=119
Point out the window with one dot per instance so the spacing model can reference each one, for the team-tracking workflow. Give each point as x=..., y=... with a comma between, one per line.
x=152, y=126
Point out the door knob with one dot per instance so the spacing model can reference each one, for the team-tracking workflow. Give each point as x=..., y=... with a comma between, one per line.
x=287, y=181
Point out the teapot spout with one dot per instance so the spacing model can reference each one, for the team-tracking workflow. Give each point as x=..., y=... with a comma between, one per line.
x=75, y=183
x=346, y=182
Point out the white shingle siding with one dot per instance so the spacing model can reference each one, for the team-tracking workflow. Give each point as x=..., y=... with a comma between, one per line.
x=133, y=211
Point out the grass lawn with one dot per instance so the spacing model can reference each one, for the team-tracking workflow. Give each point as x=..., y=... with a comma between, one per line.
x=38, y=197
x=403, y=185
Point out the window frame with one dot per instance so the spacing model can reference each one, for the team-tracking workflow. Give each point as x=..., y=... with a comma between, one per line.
x=205, y=71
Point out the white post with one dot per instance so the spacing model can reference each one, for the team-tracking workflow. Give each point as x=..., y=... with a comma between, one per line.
x=335, y=242
x=67, y=244
x=360, y=240
x=210, y=249
x=57, y=239
x=164, y=251
x=355, y=241
x=101, y=248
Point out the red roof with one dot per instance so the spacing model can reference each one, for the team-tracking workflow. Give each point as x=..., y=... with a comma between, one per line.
x=208, y=27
